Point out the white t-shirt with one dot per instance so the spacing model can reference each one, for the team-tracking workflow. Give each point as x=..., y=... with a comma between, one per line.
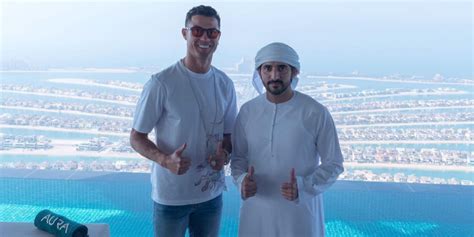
x=192, y=108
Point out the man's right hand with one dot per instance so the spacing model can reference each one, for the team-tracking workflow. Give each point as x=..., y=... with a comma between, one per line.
x=249, y=186
x=175, y=162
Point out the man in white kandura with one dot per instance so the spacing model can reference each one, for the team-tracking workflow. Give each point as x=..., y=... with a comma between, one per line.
x=285, y=152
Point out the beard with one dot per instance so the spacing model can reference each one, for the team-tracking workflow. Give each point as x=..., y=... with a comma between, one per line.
x=279, y=90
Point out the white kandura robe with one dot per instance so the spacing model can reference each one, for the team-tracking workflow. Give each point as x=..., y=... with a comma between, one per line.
x=274, y=138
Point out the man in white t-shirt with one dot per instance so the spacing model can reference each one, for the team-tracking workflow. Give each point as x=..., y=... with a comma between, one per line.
x=191, y=105
x=286, y=152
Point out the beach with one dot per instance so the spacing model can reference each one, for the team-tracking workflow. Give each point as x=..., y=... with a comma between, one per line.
x=67, y=148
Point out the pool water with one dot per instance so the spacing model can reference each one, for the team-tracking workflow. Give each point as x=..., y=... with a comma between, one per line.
x=351, y=208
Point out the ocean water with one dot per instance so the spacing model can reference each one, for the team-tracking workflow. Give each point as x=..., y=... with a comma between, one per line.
x=41, y=79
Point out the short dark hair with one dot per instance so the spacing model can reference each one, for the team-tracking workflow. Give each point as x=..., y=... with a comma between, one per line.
x=202, y=11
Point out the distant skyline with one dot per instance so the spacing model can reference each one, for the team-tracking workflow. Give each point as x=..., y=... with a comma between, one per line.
x=375, y=38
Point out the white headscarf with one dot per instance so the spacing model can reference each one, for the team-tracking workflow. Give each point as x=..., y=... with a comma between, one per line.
x=275, y=52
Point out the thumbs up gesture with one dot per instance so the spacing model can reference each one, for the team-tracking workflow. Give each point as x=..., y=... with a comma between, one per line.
x=176, y=163
x=289, y=190
x=220, y=158
x=249, y=186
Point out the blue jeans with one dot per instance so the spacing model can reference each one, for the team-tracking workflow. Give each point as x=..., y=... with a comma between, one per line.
x=202, y=219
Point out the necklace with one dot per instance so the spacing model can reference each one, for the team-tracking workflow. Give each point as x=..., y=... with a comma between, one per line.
x=211, y=138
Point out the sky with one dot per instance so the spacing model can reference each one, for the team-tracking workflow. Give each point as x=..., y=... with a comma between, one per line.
x=372, y=37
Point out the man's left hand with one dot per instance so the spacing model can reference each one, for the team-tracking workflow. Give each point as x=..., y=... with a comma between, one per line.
x=289, y=190
x=221, y=158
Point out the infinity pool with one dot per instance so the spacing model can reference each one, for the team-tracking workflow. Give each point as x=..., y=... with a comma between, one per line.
x=123, y=201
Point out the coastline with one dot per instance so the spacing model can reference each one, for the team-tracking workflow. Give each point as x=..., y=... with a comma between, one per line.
x=68, y=150
x=75, y=70
x=377, y=142
x=72, y=112
x=402, y=109
x=88, y=82
x=394, y=95
x=363, y=142
x=425, y=167
x=406, y=124
x=387, y=80
x=53, y=129
x=68, y=97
